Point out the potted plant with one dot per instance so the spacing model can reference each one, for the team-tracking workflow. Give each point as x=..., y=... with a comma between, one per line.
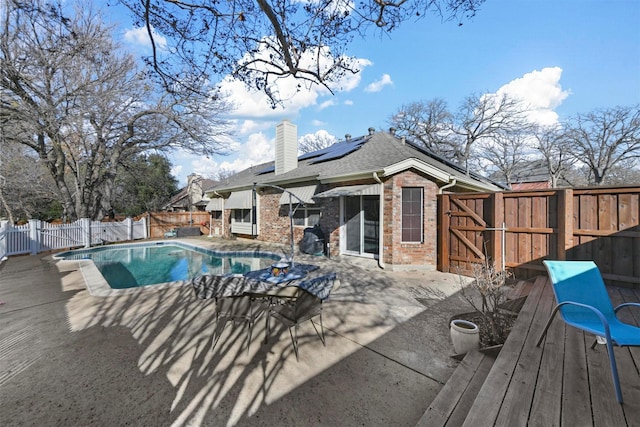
x=487, y=295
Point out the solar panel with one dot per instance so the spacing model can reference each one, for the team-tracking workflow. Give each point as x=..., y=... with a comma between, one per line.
x=335, y=151
x=267, y=169
x=315, y=153
x=340, y=149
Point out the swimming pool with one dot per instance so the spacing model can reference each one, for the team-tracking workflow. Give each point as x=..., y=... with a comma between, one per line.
x=143, y=264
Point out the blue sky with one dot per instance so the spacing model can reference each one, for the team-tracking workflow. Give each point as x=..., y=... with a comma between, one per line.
x=563, y=56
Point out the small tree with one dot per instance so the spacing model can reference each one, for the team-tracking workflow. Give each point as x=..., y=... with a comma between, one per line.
x=486, y=294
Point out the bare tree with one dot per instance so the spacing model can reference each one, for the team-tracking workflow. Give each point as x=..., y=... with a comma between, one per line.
x=506, y=152
x=26, y=189
x=455, y=135
x=84, y=107
x=604, y=138
x=425, y=123
x=261, y=41
x=555, y=150
x=626, y=172
x=316, y=141
x=224, y=173
x=482, y=117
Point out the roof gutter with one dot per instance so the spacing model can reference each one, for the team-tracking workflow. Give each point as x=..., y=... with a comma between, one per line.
x=380, y=222
x=451, y=183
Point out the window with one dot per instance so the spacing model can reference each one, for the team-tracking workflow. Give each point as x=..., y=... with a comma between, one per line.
x=242, y=215
x=412, y=215
x=306, y=217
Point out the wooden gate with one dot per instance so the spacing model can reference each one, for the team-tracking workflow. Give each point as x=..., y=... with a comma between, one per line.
x=462, y=241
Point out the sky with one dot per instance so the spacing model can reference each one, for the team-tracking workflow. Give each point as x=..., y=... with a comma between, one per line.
x=562, y=56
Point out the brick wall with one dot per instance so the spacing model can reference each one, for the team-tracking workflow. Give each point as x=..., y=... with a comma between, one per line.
x=275, y=228
x=400, y=254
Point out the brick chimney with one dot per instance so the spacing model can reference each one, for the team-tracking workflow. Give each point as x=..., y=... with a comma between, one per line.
x=286, y=147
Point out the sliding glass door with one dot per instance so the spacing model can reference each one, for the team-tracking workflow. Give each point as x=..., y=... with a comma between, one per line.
x=361, y=224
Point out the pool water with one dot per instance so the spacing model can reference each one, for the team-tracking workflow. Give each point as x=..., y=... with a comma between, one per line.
x=132, y=266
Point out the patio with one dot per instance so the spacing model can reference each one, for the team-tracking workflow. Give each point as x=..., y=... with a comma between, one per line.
x=563, y=382
x=67, y=358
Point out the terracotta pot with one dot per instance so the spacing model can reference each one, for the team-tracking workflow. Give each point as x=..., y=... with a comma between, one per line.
x=465, y=335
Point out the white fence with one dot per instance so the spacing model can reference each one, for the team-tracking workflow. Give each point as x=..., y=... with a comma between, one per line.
x=39, y=236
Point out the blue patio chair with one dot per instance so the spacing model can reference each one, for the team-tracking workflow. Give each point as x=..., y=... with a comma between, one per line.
x=584, y=303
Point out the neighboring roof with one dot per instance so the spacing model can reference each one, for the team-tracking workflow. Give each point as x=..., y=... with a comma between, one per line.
x=357, y=159
x=534, y=171
x=530, y=175
x=179, y=198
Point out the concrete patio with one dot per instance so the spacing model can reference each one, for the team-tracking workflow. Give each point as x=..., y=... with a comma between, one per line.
x=68, y=358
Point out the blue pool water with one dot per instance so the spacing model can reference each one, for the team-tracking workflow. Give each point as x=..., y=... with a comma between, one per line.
x=134, y=265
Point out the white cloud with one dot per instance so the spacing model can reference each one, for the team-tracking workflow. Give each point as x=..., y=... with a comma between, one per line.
x=348, y=102
x=541, y=90
x=247, y=127
x=176, y=170
x=326, y=104
x=295, y=94
x=204, y=166
x=377, y=86
x=140, y=37
x=256, y=150
x=317, y=122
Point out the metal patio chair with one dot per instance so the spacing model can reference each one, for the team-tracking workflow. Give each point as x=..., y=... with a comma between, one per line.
x=233, y=300
x=584, y=303
x=307, y=305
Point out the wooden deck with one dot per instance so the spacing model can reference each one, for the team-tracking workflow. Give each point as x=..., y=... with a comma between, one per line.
x=561, y=383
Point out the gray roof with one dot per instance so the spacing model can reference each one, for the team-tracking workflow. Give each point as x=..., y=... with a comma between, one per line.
x=379, y=150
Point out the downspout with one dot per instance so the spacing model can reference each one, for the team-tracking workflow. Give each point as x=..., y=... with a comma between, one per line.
x=381, y=222
x=449, y=185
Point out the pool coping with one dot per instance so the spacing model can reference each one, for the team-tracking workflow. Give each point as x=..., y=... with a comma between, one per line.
x=98, y=286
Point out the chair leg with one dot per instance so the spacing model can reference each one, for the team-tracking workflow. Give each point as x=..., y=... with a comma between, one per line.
x=546, y=327
x=294, y=340
x=219, y=329
x=614, y=370
x=321, y=333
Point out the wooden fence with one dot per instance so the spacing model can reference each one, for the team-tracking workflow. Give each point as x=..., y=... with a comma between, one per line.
x=519, y=229
x=161, y=222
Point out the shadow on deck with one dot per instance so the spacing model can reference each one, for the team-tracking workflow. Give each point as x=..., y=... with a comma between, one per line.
x=562, y=382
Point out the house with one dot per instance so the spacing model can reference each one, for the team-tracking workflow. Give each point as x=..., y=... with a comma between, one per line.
x=373, y=196
x=192, y=197
x=532, y=175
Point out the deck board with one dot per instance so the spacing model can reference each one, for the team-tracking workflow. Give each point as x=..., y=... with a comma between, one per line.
x=546, y=406
x=515, y=408
x=465, y=381
x=466, y=401
x=575, y=400
x=490, y=398
x=562, y=382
